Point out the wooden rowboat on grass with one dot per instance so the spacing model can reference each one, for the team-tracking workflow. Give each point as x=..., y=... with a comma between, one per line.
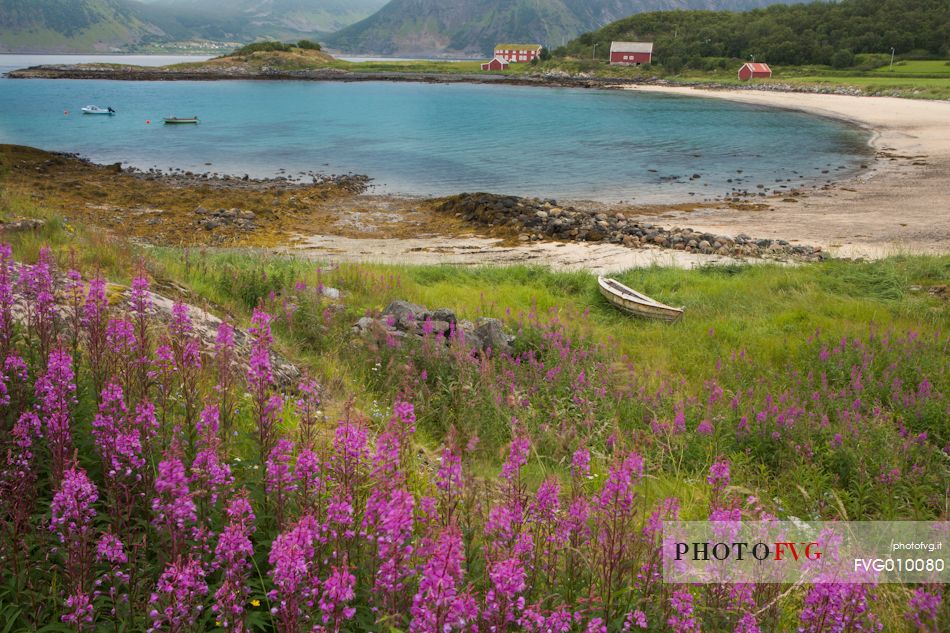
x=633, y=302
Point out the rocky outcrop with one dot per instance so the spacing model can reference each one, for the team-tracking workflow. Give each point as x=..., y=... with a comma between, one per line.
x=237, y=218
x=402, y=319
x=536, y=219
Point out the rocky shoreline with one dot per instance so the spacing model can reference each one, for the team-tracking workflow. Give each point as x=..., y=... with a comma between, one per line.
x=535, y=219
x=549, y=79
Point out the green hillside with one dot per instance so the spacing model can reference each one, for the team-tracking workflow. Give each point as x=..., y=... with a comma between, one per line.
x=69, y=25
x=472, y=27
x=817, y=33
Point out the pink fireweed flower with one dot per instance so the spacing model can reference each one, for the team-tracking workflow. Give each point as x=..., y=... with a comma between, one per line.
x=291, y=560
x=94, y=321
x=638, y=618
x=392, y=534
x=141, y=311
x=18, y=478
x=260, y=381
x=173, y=505
x=504, y=600
x=338, y=591
x=7, y=281
x=517, y=458
x=924, y=609
x=682, y=619
x=120, y=438
x=39, y=294
x=78, y=611
x=178, y=599
x=837, y=608
x=113, y=584
x=71, y=518
x=56, y=393
x=211, y=477
x=233, y=554
x=440, y=605
x=308, y=405
x=308, y=480
x=747, y=624
x=580, y=463
x=719, y=475
x=279, y=482
x=224, y=364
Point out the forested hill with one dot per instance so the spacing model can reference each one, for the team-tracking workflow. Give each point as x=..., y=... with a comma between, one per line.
x=784, y=34
x=473, y=27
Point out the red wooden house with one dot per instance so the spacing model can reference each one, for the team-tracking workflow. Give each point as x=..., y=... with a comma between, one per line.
x=518, y=53
x=631, y=53
x=495, y=64
x=754, y=70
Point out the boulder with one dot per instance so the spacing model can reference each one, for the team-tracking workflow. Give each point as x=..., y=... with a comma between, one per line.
x=491, y=335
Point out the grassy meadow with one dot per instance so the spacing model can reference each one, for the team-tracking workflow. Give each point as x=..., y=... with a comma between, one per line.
x=817, y=391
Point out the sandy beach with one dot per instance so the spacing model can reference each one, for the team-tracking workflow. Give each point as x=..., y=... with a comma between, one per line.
x=900, y=204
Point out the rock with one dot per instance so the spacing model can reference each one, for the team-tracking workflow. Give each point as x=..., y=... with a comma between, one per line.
x=210, y=225
x=492, y=335
x=247, y=215
x=404, y=314
x=201, y=211
x=21, y=225
x=364, y=325
x=444, y=314
x=330, y=293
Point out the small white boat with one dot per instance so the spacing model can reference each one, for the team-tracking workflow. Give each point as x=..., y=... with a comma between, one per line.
x=631, y=301
x=92, y=109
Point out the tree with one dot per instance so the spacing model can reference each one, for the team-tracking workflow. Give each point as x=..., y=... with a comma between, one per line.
x=843, y=58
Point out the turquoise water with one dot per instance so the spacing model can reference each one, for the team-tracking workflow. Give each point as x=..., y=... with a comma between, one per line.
x=428, y=139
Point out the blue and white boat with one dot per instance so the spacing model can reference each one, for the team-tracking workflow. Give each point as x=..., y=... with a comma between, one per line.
x=92, y=109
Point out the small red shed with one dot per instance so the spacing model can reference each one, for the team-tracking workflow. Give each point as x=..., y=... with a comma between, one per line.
x=630, y=53
x=754, y=70
x=496, y=64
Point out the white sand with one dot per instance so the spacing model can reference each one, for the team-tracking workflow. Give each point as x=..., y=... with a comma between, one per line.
x=900, y=204
x=471, y=251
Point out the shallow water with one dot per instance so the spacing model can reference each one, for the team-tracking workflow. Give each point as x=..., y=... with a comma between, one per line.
x=433, y=139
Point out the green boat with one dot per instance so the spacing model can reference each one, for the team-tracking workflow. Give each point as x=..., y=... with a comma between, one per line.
x=176, y=121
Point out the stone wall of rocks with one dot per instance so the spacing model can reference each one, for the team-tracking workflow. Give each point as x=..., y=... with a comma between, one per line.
x=403, y=320
x=536, y=219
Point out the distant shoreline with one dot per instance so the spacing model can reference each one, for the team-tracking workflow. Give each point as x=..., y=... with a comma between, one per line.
x=900, y=203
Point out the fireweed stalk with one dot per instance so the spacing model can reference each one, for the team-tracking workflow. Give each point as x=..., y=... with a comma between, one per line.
x=224, y=364
x=56, y=396
x=233, y=555
x=72, y=513
x=267, y=405
x=95, y=319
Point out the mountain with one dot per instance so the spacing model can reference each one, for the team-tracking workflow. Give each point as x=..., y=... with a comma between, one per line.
x=280, y=19
x=70, y=25
x=472, y=27
x=74, y=26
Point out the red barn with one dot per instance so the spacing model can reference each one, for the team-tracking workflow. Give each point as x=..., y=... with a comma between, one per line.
x=495, y=64
x=518, y=53
x=631, y=53
x=753, y=70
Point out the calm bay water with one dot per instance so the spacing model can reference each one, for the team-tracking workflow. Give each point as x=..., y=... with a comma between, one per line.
x=429, y=139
